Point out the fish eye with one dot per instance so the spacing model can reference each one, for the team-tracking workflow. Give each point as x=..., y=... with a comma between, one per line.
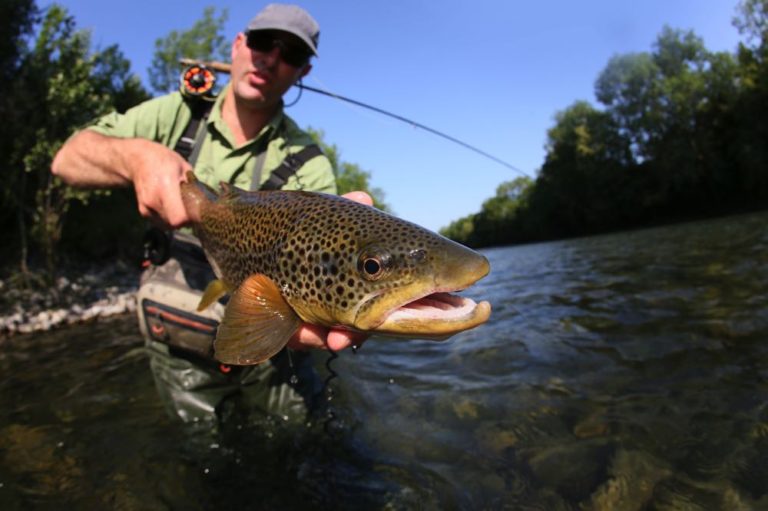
x=371, y=267
x=374, y=264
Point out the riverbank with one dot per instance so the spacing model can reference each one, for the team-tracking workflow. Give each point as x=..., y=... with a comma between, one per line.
x=80, y=294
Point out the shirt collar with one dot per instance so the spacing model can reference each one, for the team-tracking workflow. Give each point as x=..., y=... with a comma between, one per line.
x=216, y=121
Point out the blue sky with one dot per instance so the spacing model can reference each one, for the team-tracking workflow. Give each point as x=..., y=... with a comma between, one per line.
x=491, y=73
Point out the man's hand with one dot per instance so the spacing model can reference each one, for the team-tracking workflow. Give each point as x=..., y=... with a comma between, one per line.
x=90, y=159
x=156, y=173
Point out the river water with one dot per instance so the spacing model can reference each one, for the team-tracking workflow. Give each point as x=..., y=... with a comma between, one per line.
x=618, y=372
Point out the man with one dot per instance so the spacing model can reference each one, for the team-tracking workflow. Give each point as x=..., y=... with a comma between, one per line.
x=244, y=139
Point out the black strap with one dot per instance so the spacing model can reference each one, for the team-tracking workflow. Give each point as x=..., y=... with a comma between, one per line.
x=290, y=165
x=200, y=110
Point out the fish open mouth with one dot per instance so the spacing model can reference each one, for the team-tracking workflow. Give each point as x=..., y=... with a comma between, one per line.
x=435, y=316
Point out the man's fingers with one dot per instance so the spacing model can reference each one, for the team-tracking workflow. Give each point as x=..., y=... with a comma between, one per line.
x=308, y=336
x=317, y=337
x=361, y=197
x=342, y=339
x=157, y=190
x=173, y=205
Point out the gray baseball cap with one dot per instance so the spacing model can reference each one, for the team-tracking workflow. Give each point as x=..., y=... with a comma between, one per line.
x=288, y=18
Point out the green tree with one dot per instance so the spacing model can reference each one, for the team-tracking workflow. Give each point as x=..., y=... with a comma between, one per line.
x=204, y=41
x=627, y=87
x=650, y=94
x=588, y=156
x=61, y=85
x=752, y=21
x=660, y=102
x=681, y=134
x=491, y=226
x=497, y=214
x=460, y=230
x=681, y=142
x=16, y=20
x=17, y=17
x=750, y=131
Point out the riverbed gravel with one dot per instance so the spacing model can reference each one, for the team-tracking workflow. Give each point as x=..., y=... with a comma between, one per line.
x=79, y=295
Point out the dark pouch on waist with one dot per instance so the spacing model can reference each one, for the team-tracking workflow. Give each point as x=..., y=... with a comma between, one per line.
x=178, y=328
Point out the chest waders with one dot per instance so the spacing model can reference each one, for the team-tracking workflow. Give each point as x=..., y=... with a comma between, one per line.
x=192, y=385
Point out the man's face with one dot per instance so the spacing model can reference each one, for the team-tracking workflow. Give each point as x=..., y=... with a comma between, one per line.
x=264, y=67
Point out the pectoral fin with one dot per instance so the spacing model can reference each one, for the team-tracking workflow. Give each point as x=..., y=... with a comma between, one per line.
x=257, y=323
x=213, y=291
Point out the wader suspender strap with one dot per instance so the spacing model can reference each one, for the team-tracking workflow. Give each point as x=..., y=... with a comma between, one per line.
x=291, y=164
x=189, y=144
x=258, y=164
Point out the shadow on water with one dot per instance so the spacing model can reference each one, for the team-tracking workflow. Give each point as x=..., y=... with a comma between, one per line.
x=617, y=372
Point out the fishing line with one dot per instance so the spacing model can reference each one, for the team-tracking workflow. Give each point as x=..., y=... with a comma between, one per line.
x=299, y=85
x=327, y=391
x=294, y=379
x=411, y=122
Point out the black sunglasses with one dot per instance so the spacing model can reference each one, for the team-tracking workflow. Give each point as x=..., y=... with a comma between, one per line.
x=293, y=53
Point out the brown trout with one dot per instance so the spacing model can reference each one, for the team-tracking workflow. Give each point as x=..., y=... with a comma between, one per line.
x=288, y=257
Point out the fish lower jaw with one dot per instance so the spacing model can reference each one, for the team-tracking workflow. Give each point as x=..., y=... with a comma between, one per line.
x=435, y=316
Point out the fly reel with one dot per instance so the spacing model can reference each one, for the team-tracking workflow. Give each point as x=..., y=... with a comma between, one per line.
x=197, y=80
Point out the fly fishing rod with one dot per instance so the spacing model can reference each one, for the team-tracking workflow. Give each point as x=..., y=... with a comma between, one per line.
x=197, y=72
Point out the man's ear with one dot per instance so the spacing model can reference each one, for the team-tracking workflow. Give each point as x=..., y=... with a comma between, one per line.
x=304, y=71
